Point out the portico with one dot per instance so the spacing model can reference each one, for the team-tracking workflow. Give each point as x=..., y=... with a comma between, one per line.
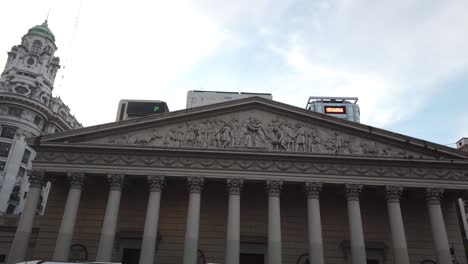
x=182, y=199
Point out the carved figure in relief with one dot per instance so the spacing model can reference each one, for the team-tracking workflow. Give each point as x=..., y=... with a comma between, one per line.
x=172, y=138
x=301, y=138
x=145, y=139
x=277, y=136
x=369, y=148
x=235, y=128
x=202, y=134
x=226, y=136
x=339, y=142
x=313, y=141
x=191, y=135
x=253, y=135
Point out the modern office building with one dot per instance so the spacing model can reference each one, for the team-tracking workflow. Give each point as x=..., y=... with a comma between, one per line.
x=137, y=108
x=340, y=107
x=197, y=98
x=28, y=109
x=245, y=181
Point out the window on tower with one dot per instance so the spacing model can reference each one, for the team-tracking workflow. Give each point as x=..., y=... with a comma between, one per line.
x=4, y=149
x=36, y=46
x=13, y=111
x=8, y=132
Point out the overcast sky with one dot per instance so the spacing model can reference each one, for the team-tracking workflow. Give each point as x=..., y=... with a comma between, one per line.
x=406, y=60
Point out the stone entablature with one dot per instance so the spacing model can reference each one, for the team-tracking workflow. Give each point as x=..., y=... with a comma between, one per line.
x=258, y=166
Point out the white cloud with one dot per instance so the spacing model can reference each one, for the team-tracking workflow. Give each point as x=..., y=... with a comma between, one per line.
x=393, y=55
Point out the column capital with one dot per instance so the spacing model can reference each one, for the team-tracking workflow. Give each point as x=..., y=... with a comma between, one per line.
x=116, y=181
x=353, y=191
x=76, y=180
x=37, y=178
x=156, y=183
x=393, y=193
x=196, y=184
x=313, y=189
x=235, y=186
x=273, y=188
x=434, y=195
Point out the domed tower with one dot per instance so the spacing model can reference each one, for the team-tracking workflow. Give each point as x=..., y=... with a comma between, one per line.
x=27, y=109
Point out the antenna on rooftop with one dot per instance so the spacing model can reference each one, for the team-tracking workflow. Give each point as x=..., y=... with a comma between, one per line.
x=72, y=40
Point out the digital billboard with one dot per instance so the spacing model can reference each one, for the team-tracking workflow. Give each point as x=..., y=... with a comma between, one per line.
x=338, y=110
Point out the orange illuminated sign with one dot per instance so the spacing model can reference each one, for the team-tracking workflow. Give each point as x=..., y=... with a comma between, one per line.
x=335, y=110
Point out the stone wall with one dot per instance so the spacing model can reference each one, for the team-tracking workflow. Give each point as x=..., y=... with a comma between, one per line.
x=253, y=221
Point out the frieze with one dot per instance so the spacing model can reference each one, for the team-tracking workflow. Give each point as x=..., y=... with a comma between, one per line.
x=255, y=164
x=257, y=130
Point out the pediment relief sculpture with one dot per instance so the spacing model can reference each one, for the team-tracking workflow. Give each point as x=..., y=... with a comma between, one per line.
x=257, y=130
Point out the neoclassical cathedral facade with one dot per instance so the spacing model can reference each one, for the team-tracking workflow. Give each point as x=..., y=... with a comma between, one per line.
x=245, y=181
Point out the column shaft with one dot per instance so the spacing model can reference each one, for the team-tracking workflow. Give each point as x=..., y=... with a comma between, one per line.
x=314, y=223
x=20, y=244
x=439, y=233
x=358, y=247
x=109, y=225
x=233, y=222
x=150, y=232
x=400, y=248
x=193, y=221
x=64, y=239
x=274, y=222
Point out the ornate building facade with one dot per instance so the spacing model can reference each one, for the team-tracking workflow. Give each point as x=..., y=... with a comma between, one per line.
x=28, y=109
x=245, y=181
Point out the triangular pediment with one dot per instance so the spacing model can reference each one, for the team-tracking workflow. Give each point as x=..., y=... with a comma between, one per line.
x=256, y=124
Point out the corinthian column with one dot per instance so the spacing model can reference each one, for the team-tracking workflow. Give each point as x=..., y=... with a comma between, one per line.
x=358, y=247
x=109, y=225
x=314, y=222
x=439, y=233
x=21, y=241
x=64, y=239
x=400, y=249
x=274, y=221
x=195, y=185
x=150, y=233
x=233, y=221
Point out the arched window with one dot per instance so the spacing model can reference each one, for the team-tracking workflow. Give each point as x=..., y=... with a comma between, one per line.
x=36, y=46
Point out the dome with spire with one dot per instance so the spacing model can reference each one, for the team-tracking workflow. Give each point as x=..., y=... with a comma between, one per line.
x=43, y=30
